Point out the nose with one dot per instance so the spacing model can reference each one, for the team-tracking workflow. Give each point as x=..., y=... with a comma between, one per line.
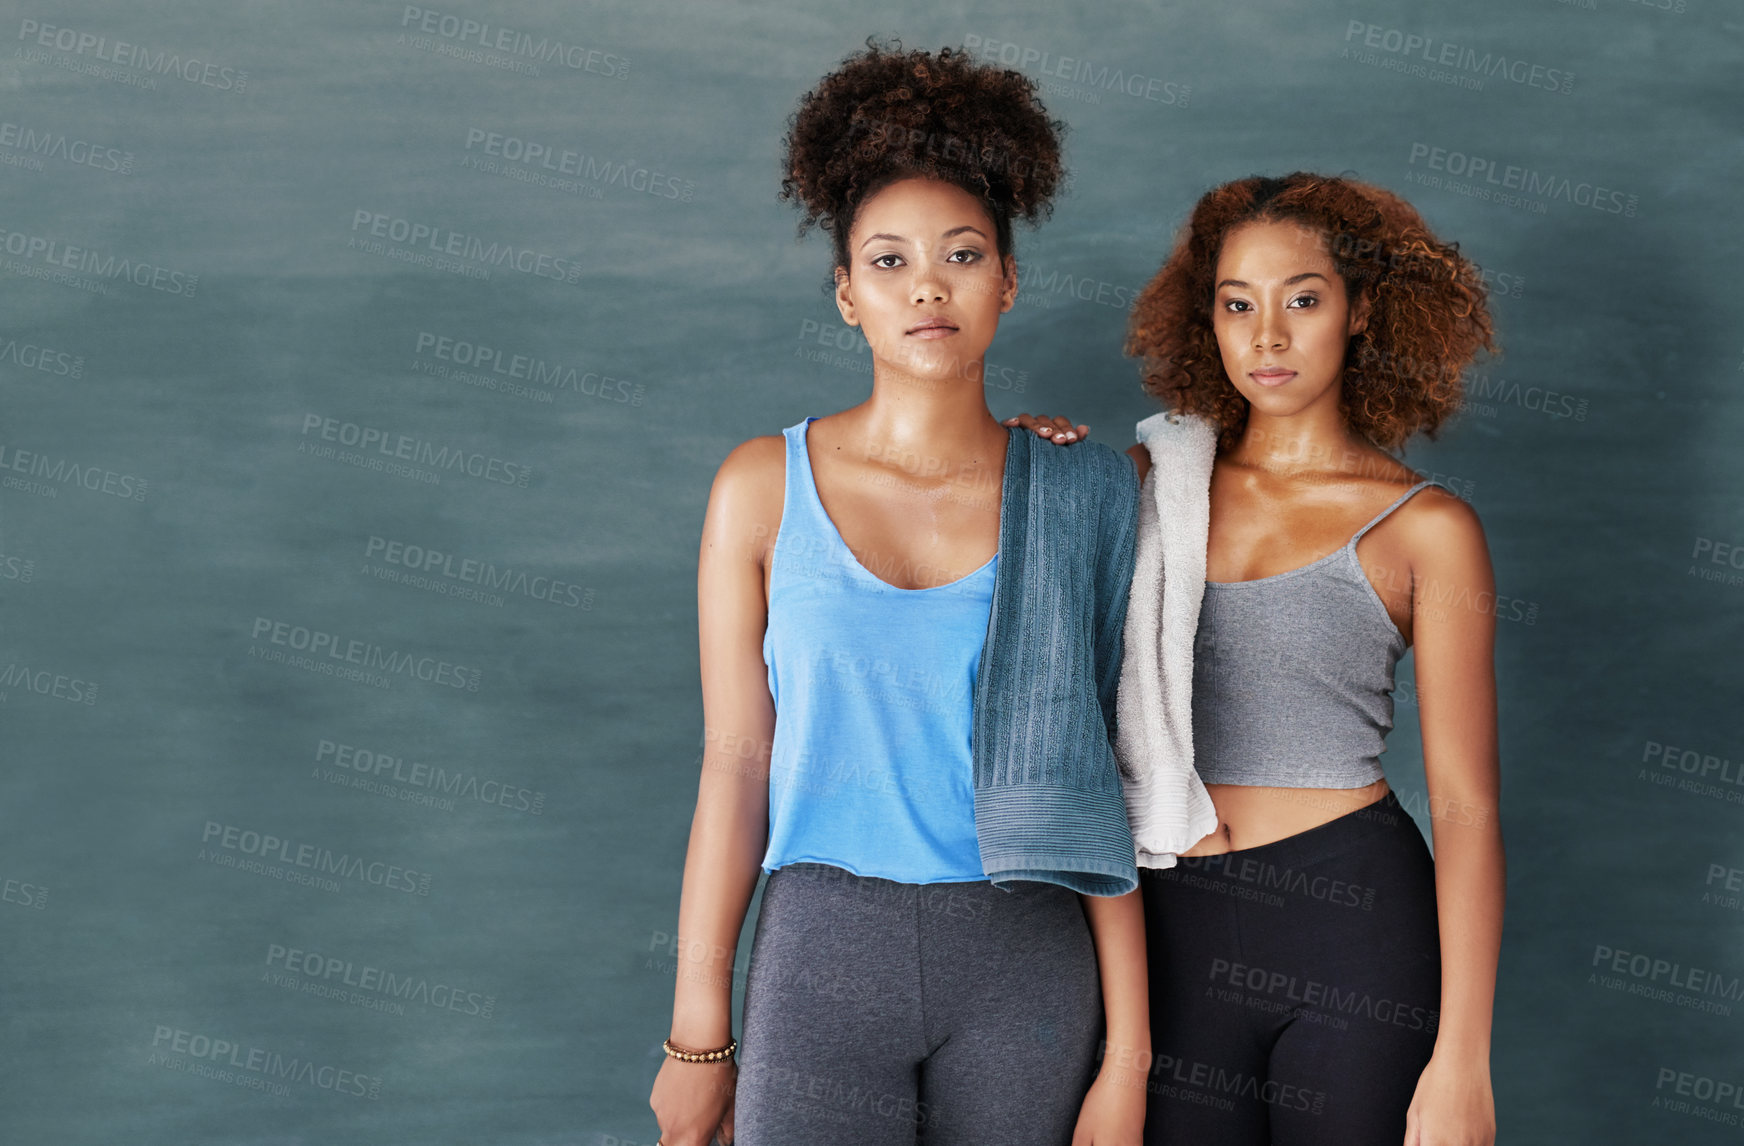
x=928, y=286
x=1269, y=331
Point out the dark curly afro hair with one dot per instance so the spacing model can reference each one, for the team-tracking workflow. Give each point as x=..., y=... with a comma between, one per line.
x=886, y=114
x=1427, y=312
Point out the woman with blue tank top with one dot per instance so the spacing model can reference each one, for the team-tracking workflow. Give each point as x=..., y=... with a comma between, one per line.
x=910, y=621
x=1316, y=978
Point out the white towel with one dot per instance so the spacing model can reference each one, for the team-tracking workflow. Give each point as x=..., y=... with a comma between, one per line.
x=1166, y=802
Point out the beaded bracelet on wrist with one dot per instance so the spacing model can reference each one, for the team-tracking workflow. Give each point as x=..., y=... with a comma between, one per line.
x=717, y=1055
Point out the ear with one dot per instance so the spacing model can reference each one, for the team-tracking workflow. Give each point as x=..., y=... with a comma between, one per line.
x=1359, y=314
x=1008, y=286
x=845, y=297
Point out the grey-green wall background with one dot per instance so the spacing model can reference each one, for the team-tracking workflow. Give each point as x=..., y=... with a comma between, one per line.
x=224, y=332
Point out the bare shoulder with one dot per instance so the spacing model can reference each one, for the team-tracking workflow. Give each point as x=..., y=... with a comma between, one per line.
x=752, y=463
x=1141, y=456
x=745, y=501
x=1441, y=528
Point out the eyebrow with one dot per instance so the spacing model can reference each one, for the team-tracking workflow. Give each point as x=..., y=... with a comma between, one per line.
x=952, y=233
x=1291, y=281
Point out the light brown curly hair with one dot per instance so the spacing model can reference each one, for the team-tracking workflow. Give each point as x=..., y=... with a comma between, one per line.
x=1427, y=311
x=887, y=114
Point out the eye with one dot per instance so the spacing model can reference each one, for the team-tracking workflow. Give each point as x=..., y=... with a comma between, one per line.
x=972, y=253
x=878, y=260
x=1236, y=305
x=1307, y=300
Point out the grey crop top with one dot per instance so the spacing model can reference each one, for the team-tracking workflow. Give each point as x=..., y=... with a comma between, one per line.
x=1293, y=675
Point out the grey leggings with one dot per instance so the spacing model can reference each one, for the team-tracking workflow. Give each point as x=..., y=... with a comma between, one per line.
x=879, y=1013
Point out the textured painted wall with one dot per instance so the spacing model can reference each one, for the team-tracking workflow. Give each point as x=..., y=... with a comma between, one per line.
x=364, y=370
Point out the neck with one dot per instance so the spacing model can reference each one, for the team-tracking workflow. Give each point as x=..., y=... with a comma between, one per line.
x=930, y=417
x=1315, y=440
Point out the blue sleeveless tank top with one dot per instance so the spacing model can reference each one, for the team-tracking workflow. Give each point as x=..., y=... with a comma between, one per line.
x=870, y=768
x=1293, y=675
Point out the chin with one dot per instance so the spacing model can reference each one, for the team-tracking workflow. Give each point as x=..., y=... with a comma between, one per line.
x=1292, y=398
x=941, y=366
x=1277, y=405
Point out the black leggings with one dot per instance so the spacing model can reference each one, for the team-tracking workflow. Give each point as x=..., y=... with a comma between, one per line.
x=1294, y=987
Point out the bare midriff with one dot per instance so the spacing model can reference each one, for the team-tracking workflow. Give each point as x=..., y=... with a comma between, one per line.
x=1250, y=815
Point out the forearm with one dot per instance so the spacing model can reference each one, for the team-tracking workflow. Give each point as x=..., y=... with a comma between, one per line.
x=1470, y=886
x=721, y=868
x=1117, y=926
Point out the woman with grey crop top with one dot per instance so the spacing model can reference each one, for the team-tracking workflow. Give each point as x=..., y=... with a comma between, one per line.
x=1316, y=978
x=908, y=689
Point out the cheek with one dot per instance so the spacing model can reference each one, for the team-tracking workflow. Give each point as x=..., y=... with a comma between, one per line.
x=1329, y=340
x=983, y=293
x=876, y=301
x=1229, y=340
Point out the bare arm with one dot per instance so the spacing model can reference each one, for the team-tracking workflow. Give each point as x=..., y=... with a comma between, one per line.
x=1141, y=458
x=729, y=830
x=1114, y=1109
x=1453, y=621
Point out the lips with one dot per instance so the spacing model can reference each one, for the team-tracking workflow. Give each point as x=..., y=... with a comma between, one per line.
x=933, y=328
x=1271, y=375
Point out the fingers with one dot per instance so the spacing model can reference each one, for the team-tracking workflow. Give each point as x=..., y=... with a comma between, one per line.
x=1060, y=430
x=1055, y=428
x=1064, y=429
x=1041, y=424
